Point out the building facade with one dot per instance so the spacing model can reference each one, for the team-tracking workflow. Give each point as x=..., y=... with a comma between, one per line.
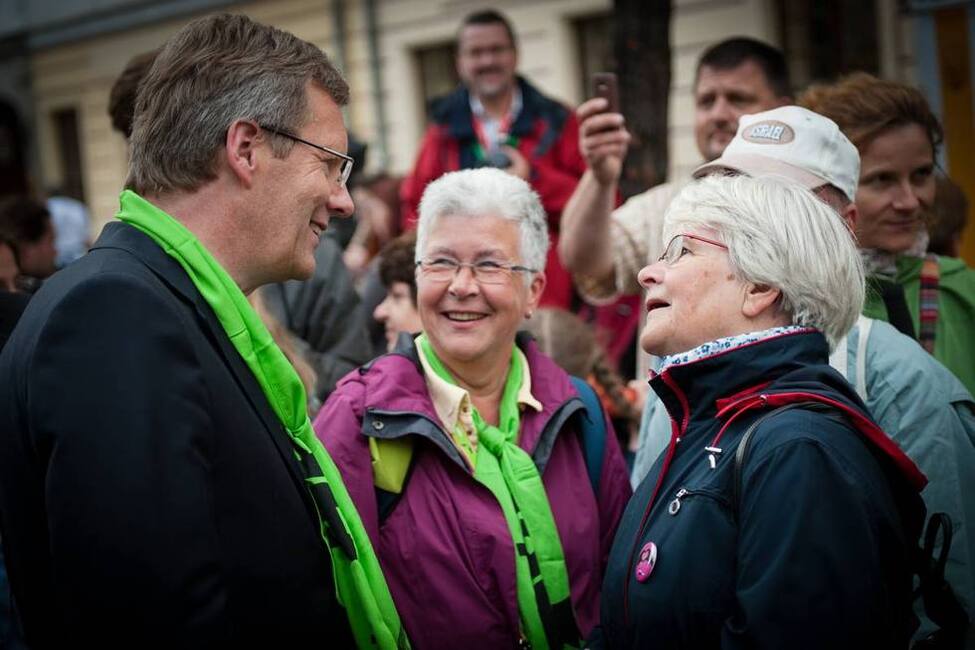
x=60, y=61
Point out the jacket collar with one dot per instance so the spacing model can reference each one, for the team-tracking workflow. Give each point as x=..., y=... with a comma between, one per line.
x=454, y=112
x=395, y=386
x=768, y=373
x=452, y=401
x=121, y=236
x=726, y=344
x=693, y=384
x=124, y=237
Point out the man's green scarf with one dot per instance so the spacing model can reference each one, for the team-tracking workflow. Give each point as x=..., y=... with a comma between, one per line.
x=544, y=599
x=361, y=586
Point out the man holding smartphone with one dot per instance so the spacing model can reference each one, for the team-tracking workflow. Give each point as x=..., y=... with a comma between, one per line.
x=605, y=248
x=498, y=119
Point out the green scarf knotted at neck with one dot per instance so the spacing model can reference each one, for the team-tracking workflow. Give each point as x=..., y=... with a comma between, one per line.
x=509, y=472
x=360, y=583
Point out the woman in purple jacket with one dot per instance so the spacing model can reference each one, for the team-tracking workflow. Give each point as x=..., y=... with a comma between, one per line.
x=464, y=448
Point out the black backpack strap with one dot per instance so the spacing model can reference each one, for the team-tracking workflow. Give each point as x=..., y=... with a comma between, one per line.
x=741, y=452
x=940, y=602
x=895, y=302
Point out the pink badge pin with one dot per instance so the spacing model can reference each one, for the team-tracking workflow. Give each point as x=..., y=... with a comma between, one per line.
x=646, y=561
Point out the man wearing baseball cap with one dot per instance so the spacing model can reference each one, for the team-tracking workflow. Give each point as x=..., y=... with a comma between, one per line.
x=918, y=402
x=795, y=143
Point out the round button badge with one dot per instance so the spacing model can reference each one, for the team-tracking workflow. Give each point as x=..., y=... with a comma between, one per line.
x=646, y=561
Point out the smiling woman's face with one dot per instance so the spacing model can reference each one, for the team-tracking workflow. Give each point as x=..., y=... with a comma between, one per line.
x=896, y=187
x=469, y=322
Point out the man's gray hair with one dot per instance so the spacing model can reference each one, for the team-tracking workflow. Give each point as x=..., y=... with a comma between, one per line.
x=779, y=234
x=486, y=192
x=214, y=71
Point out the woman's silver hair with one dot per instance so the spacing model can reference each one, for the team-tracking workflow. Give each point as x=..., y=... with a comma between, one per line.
x=779, y=234
x=486, y=192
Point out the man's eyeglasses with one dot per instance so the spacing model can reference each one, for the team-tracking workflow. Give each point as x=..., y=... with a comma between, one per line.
x=675, y=248
x=445, y=269
x=347, y=162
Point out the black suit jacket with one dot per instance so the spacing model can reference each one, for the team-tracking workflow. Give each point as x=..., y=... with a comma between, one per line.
x=12, y=305
x=149, y=497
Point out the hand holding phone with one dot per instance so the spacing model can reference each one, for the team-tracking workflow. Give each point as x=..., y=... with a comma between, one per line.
x=604, y=85
x=603, y=138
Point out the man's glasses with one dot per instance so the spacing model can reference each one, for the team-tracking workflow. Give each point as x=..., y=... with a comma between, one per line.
x=347, y=162
x=445, y=269
x=675, y=248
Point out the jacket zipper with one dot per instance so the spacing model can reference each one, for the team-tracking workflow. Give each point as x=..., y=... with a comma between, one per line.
x=675, y=505
x=671, y=450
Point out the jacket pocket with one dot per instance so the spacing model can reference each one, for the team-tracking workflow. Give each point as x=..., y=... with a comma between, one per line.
x=685, y=494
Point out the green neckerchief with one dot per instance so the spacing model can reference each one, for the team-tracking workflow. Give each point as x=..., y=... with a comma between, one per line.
x=361, y=586
x=510, y=473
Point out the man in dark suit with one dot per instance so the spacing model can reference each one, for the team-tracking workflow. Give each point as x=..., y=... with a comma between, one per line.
x=149, y=491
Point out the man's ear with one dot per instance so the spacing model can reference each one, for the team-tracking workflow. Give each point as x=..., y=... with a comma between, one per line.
x=240, y=147
x=759, y=299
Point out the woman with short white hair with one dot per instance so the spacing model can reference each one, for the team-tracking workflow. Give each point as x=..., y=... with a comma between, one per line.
x=780, y=515
x=489, y=499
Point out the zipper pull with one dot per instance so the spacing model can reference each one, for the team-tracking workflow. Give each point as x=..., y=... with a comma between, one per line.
x=712, y=452
x=675, y=504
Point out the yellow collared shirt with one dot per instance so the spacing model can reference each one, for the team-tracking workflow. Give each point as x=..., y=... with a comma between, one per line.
x=453, y=405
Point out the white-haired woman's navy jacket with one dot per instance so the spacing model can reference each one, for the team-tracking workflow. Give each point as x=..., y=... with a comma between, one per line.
x=922, y=406
x=815, y=551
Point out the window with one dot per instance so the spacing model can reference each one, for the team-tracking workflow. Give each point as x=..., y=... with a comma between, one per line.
x=69, y=149
x=438, y=73
x=824, y=39
x=594, y=34
x=13, y=174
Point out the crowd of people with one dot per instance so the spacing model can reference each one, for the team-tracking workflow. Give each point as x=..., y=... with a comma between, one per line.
x=235, y=421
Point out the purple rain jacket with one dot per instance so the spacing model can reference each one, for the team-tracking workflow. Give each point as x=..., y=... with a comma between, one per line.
x=445, y=547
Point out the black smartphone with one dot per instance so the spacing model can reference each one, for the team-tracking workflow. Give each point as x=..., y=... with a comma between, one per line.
x=604, y=85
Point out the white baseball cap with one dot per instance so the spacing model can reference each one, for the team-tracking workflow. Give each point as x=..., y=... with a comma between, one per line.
x=793, y=142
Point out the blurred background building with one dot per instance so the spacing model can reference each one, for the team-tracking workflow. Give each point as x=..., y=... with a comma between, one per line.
x=58, y=59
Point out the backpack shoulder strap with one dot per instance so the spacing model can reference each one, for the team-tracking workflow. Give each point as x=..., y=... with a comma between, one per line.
x=593, y=432
x=940, y=602
x=741, y=452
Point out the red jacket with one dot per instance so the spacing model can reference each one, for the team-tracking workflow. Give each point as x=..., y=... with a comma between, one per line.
x=547, y=135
